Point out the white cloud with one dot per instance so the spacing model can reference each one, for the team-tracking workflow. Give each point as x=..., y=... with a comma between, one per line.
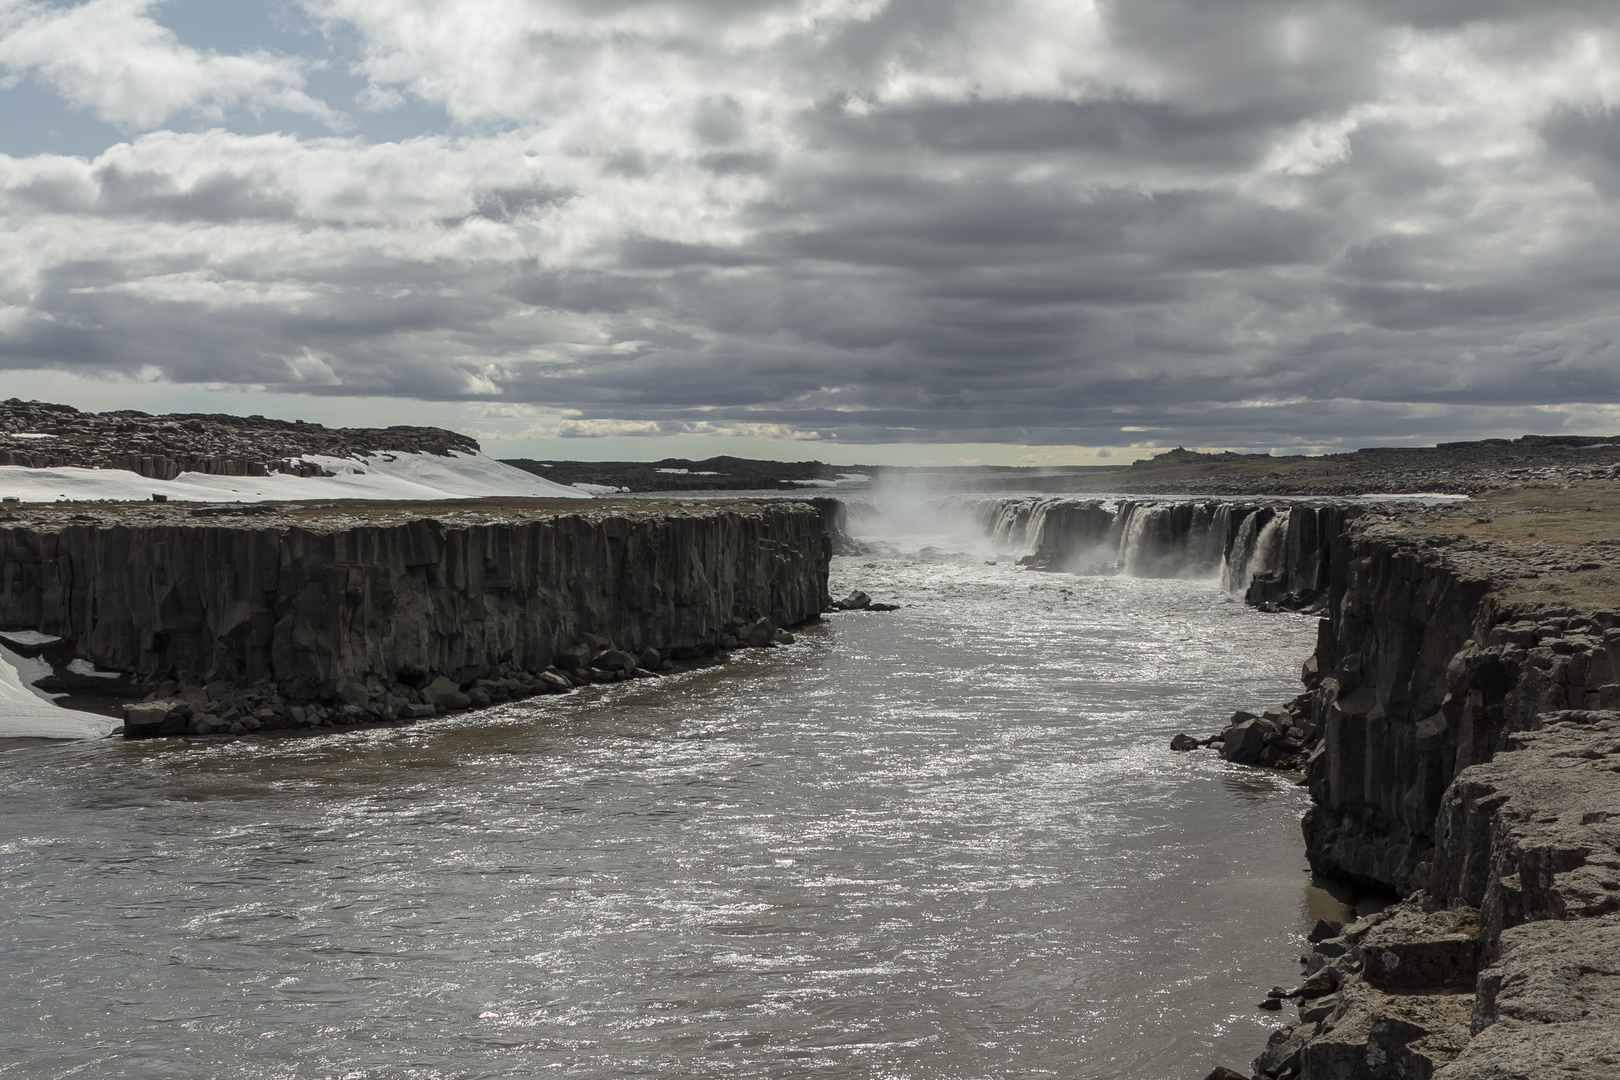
x=113, y=59
x=1040, y=222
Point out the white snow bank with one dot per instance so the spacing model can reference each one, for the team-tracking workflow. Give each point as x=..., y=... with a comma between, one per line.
x=28, y=637
x=26, y=714
x=391, y=476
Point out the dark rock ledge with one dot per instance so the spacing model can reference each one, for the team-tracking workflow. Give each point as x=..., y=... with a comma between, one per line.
x=320, y=614
x=1462, y=752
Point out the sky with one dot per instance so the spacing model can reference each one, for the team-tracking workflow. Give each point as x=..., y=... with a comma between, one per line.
x=875, y=231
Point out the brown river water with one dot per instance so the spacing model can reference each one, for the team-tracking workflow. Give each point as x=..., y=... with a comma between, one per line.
x=943, y=842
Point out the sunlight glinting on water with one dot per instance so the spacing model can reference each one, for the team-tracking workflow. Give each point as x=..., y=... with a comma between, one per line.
x=946, y=841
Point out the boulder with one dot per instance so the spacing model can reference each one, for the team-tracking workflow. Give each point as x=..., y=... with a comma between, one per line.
x=782, y=637
x=443, y=693
x=575, y=658
x=1418, y=950
x=855, y=601
x=149, y=719
x=759, y=633
x=614, y=660
x=1282, y=1050
x=1244, y=743
x=649, y=659
x=554, y=682
x=1184, y=742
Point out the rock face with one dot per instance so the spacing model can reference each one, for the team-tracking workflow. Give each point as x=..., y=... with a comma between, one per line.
x=313, y=608
x=41, y=435
x=1417, y=675
x=1510, y=966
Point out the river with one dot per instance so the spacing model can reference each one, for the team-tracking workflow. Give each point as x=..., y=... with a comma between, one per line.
x=943, y=842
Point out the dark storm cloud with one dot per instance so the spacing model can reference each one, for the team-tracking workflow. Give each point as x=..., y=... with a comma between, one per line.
x=1249, y=223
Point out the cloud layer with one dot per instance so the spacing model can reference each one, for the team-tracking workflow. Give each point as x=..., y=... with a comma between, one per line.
x=1243, y=223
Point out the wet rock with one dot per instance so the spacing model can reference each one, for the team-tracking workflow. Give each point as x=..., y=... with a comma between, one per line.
x=443, y=693
x=782, y=637
x=1221, y=1072
x=855, y=601
x=759, y=633
x=1184, y=742
x=1282, y=1051
x=649, y=659
x=882, y=607
x=1245, y=742
x=150, y=719
x=417, y=712
x=554, y=682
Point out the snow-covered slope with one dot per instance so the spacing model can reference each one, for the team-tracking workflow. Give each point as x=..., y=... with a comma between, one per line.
x=26, y=713
x=388, y=475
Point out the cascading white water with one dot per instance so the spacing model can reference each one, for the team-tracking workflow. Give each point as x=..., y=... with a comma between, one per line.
x=1257, y=549
x=1268, y=549
x=1234, y=571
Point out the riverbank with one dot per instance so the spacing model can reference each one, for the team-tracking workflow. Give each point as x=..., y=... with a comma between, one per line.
x=1460, y=700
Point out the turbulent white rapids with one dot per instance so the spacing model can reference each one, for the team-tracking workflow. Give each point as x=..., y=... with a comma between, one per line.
x=941, y=842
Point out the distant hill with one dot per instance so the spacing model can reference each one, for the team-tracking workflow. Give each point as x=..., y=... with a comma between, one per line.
x=679, y=474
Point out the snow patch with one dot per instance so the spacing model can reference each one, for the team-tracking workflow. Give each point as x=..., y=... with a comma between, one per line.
x=600, y=489
x=85, y=667
x=394, y=476
x=28, y=637
x=26, y=713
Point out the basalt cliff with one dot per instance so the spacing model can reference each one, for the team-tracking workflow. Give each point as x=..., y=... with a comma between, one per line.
x=265, y=615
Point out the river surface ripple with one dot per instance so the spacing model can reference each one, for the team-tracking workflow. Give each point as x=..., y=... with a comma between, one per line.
x=948, y=841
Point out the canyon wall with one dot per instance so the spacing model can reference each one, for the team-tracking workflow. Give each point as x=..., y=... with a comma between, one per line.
x=312, y=607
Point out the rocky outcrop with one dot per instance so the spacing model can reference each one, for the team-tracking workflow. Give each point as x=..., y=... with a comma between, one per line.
x=313, y=610
x=1419, y=673
x=1509, y=967
x=41, y=435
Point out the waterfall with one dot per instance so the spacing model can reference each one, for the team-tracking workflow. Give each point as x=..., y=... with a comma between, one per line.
x=1237, y=541
x=1258, y=548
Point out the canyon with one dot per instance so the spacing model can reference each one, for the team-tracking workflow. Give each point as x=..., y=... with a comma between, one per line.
x=1461, y=748
x=1458, y=728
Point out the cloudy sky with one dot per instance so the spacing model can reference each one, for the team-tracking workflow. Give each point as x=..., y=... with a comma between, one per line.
x=859, y=230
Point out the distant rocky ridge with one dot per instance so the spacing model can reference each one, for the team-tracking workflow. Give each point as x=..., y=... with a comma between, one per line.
x=679, y=474
x=41, y=435
x=1461, y=468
